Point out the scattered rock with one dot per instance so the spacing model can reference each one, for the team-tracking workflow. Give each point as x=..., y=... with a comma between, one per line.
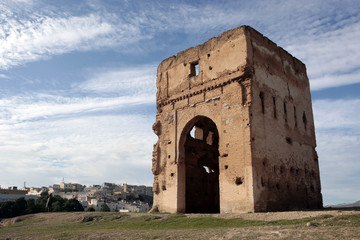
x=87, y=219
x=311, y=224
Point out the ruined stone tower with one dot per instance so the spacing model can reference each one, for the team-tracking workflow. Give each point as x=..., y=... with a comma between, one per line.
x=235, y=129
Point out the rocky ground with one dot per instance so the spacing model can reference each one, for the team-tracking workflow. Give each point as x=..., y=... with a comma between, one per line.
x=337, y=224
x=272, y=216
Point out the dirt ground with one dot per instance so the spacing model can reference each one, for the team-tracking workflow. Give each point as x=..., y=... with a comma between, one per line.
x=261, y=233
x=272, y=216
x=298, y=231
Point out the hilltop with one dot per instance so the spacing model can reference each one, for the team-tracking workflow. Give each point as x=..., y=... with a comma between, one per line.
x=346, y=205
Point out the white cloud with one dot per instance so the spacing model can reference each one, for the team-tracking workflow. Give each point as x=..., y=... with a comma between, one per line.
x=337, y=114
x=128, y=87
x=30, y=40
x=322, y=34
x=331, y=57
x=130, y=81
x=85, y=139
x=3, y=76
x=29, y=108
x=338, y=138
x=29, y=32
x=88, y=149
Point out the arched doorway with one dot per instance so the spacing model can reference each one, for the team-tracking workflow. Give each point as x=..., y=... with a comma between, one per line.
x=201, y=157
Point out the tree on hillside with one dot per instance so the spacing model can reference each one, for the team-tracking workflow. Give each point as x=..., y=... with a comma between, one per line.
x=7, y=210
x=105, y=208
x=73, y=205
x=58, y=204
x=41, y=202
x=31, y=206
x=21, y=206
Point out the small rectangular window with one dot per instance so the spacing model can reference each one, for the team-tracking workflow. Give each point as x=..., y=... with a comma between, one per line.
x=194, y=69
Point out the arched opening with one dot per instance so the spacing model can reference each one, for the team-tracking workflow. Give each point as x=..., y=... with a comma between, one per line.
x=201, y=158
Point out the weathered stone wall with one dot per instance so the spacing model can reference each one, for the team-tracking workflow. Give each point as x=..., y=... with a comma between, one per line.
x=226, y=89
x=286, y=171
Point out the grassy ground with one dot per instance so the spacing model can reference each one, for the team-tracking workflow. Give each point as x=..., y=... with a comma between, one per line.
x=175, y=226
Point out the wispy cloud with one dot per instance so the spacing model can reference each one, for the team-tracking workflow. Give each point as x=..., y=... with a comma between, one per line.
x=328, y=47
x=32, y=40
x=338, y=139
x=29, y=108
x=331, y=57
x=130, y=81
x=87, y=149
x=87, y=138
x=36, y=33
x=337, y=114
x=3, y=76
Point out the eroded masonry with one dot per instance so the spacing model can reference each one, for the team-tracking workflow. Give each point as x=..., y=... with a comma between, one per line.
x=235, y=129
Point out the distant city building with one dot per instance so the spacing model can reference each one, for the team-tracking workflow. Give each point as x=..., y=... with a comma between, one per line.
x=12, y=194
x=71, y=186
x=122, y=197
x=65, y=186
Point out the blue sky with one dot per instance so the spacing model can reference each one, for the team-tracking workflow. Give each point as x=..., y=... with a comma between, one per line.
x=77, y=82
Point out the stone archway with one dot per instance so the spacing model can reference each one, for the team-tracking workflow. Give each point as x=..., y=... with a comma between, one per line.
x=201, y=158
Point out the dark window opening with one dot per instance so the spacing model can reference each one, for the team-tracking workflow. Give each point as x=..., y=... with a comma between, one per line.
x=243, y=94
x=194, y=69
x=288, y=140
x=304, y=120
x=285, y=112
x=262, y=182
x=238, y=181
x=295, y=118
x=274, y=106
x=261, y=95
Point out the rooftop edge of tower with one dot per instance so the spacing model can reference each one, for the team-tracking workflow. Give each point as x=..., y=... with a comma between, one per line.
x=246, y=30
